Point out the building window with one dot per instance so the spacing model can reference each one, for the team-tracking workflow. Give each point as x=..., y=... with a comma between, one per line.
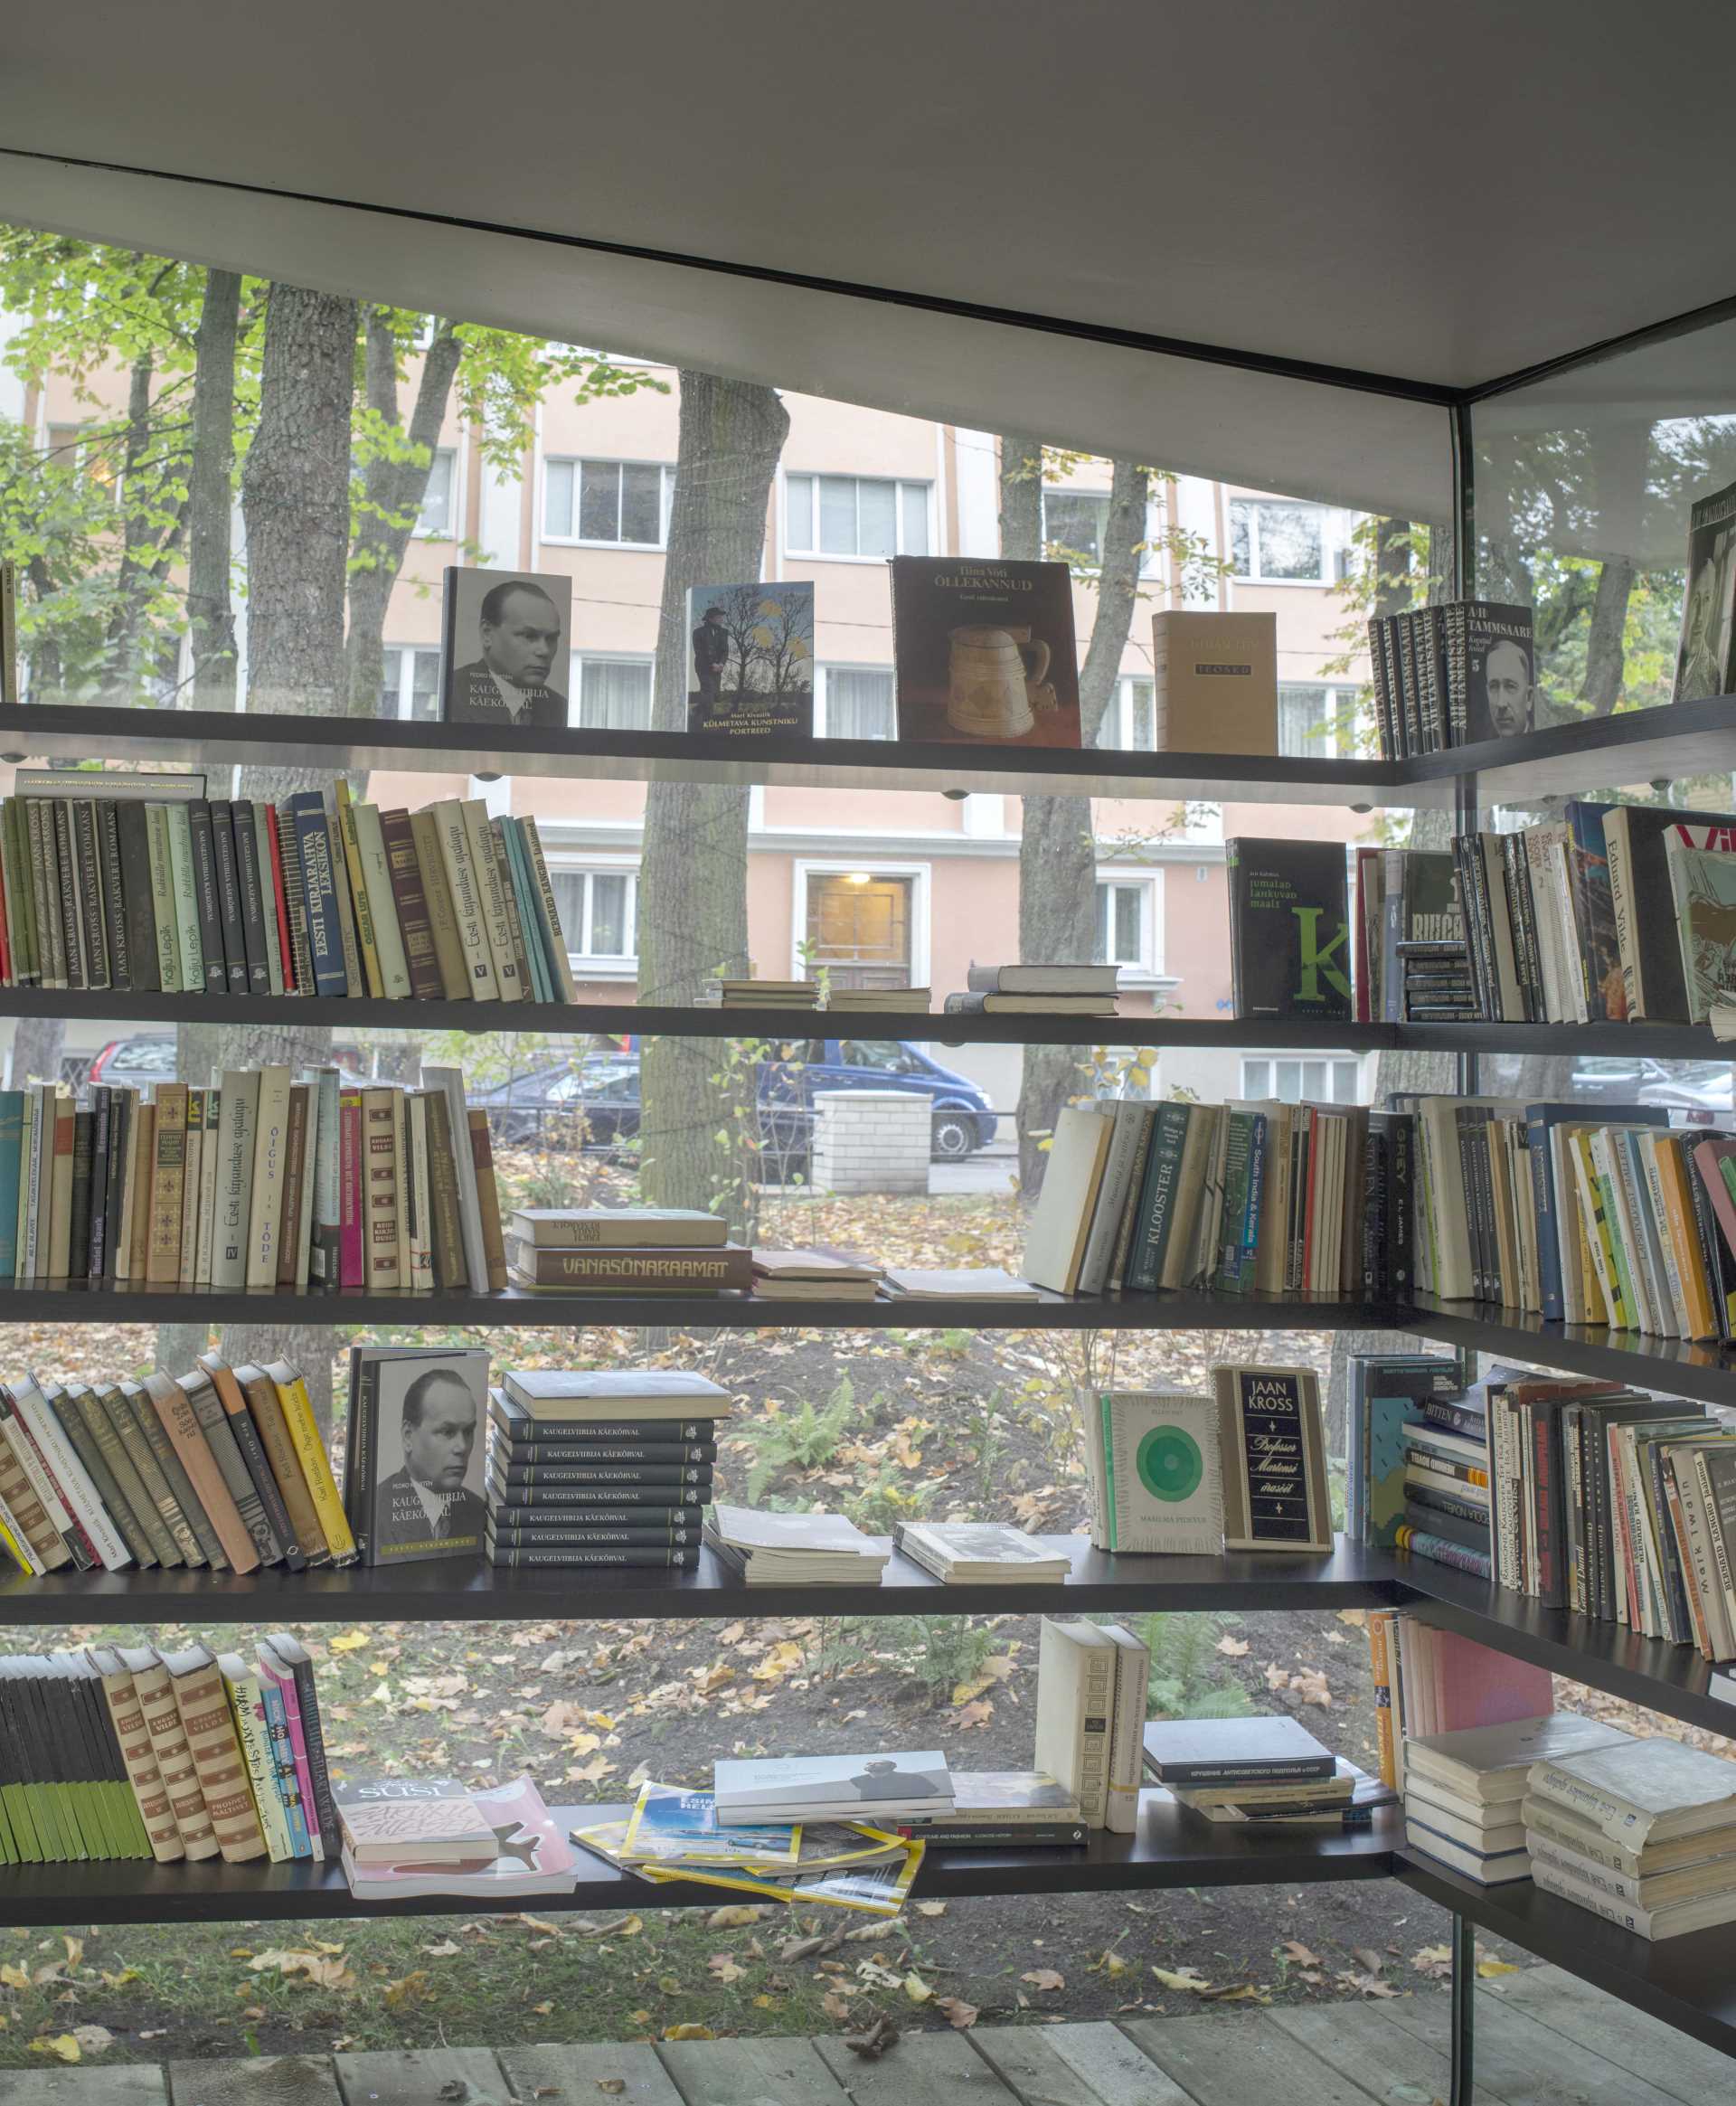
x=611, y=694
x=618, y=504
x=853, y=701
x=1075, y=522
x=410, y=687
x=1318, y=721
x=1128, y=724
x=1324, y=1079
x=599, y=911
x=855, y=515
x=1275, y=541
x=438, y=510
x=862, y=925
x=1129, y=921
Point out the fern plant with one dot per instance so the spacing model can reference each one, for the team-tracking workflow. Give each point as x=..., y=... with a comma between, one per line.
x=1186, y=1680
x=798, y=1440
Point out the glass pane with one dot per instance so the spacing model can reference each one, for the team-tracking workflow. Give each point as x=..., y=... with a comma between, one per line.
x=860, y=926
x=1314, y=1079
x=1343, y=1081
x=609, y=914
x=557, y=498
x=799, y=513
x=858, y=704
x=392, y=671
x=425, y=687
x=1100, y=947
x=1128, y=904
x=1256, y=1078
x=436, y=516
x=642, y=504
x=876, y=529
x=1143, y=731
x=1302, y=723
x=913, y=499
x=569, y=904
x=600, y=501
x=615, y=695
x=1241, y=547
x=1286, y=1080
x=1073, y=520
x=1291, y=541
x=839, y=515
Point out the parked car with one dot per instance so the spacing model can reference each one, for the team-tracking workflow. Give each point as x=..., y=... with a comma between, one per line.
x=1701, y=1090
x=605, y=1087
x=150, y=1057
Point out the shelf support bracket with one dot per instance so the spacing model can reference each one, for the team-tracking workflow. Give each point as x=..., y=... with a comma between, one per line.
x=1464, y=1945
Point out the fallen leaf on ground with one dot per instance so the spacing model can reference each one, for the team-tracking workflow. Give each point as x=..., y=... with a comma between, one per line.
x=734, y=1918
x=1232, y=1648
x=614, y=2086
x=977, y=1713
x=1043, y=1977
x=1294, y=1949
x=443, y=1950
x=1182, y=1978
x=960, y=2016
x=688, y=2033
x=723, y=1969
x=1487, y=1967
x=917, y=1989
x=1369, y=1960
x=400, y=1995
x=61, y=2045
x=874, y=2042
x=350, y=1642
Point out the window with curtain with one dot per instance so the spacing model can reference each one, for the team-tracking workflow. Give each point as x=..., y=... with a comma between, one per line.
x=1318, y=719
x=599, y=911
x=411, y=684
x=1129, y=930
x=855, y=515
x=620, y=503
x=613, y=695
x=1127, y=723
x=439, y=508
x=1330, y=1079
x=855, y=702
x=860, y=924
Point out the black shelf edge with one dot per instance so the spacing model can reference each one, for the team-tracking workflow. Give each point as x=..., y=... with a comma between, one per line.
x=1662, y=1042
x=1688, y=1982
x=1706, y=1372
x=1171, y=1848
x=1636, y=746
x=449, y=1590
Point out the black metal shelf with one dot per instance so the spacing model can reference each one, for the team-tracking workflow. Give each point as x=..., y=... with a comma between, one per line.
x=1663, y=1041
x=1706, y=1372
x=1689, y=737
x=1172, y=1847
x=464, y=1591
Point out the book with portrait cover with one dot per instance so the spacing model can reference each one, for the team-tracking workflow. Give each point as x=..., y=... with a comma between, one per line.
x=1489, y=662
x=1273, y=1454
x=1702, y=884
x=983, y=649
x=1708, y=646
x=1289, y=928
x=505, y=636
x=413, y=1488
x=751, y=659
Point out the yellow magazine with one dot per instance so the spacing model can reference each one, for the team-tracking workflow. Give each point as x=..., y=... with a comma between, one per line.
x=668, y=1824
x=879, y=1889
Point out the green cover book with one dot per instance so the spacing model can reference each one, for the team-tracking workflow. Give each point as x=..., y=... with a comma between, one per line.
x=1157, y=1199
x=184, y=896
x=168, y=949
x=1289, y=928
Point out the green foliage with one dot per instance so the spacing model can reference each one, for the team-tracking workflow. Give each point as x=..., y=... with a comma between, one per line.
x=1187, y=1679
x=891, y=1495
x=798, y=1440
x=940, y=1651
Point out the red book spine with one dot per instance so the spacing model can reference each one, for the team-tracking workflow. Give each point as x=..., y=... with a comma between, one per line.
x=280, y=899
x=352, y=1271
x=1543, y=1465
x=1307, y=1203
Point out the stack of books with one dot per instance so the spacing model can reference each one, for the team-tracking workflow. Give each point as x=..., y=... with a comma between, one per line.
x=403, y=1837
x=1430, y=1681
x=1451, y=674
x=882, y=1787
x=1390, y=1393
x=966, y=1553
x=123, y=1751
x=1037, y=990
x=609, y=1466
x=812, y=1549
x=1462, y=1790
x=221, y=1470
x=1091, y=1696
x=1001, y=1809
x=813, y=1276
x=1642, y=1833
x=1259, y=1773
x=929, y=1283
x=139, y=882
x=877, y=1001
x=263, y=1181
x=625, y=1250
x=753, y=993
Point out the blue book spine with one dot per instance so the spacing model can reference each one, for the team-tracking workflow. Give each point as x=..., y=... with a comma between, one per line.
x=523, y=893
x=283, y=1761
x=1538, y=1122
x=324, y=937
x=12, y=1144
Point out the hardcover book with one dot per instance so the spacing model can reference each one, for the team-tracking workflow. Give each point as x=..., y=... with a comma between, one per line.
x=1703, y=662
x=505, y=636
x=1272, y=1445
x=876, y=1786
x=388, y=1819
x=415, y=1486
x=751, y=659
x=1154, y=1465
x=1702, y=884
x=1491, y=660
x=983, y=649
x=1213, y=1751
x=1290, y=929
x=1214, y=679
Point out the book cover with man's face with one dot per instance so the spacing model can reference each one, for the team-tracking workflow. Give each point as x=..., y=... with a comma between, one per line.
x=428, y=1456
x=506, y=644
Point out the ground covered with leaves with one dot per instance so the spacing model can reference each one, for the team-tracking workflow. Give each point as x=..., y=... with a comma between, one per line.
x=881, y=1425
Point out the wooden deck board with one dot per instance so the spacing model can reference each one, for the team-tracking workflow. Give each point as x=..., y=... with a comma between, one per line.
x=430, y=2076
x=1227, y=2060
x=1089, y=2065
x=925, y=2069
x=1525, y=2063
x=1629, y=2039
x=750, y=2073
x=263, y=2080
x=1362, y=2044
x=565, y=2076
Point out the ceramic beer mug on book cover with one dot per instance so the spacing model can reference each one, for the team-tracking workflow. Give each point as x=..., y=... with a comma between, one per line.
x=996, y=681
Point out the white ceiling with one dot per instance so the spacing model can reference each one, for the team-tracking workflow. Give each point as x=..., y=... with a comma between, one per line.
x=1443, y=194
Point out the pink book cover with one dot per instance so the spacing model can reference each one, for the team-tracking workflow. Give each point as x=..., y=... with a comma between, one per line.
x=350, y=1272
x=1479, y=1687
x=1706, y=1160
x=528, y=1854
x=285, y=1683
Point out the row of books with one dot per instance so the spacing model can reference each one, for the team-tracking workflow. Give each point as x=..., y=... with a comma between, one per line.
x=1243, y=1197
x=1453, y=673
x=123, y=1751
x=1428, y=1681
x=221, y=1469
x=261, y=1181
x=140, y=882
x=1589, y=1215
x=1266, y=1773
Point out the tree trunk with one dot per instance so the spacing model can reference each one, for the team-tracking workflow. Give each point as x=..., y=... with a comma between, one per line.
x=296, y=501
x=1057, y=844
x=692, y=913
x=36, y=1043
x=211, y=618
x=391, y=492
x=1605, y=647
x=137, y=542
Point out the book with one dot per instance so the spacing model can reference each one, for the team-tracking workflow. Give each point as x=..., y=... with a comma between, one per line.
x=393, y=1819
x=973, y=1553
x=1705, y=662
x=728, y=1269
x=1290, y=929
x=879, y=1786
x=983, y=648
x=751, y=659
x=290, y=1665
x=928, y=1283
x=1153, y=1463
x=414, y=1484
x=1235, y=1752
x=1272, y=1451
x=1214, y=681
x=1639, y=1791
x=563, y=1401
x=1702, y=886
x=794, y=1549
x=1132, y=1678
x=1059, y=1226
x=525, y=1855
x=206, y=1719
x=616, y=1227
x=1077, y=1668
x=1085, y=980
x=1480, y=1766
x=503, y=634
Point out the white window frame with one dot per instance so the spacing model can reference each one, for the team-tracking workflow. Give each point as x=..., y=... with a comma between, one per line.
x=1337, y=691
x=453, y=531
x=803, y=867
x=575, y=676
x=1150, y=882
x=1121, y=712
x=587, y=964
x=1151, y=557
x=1334, y=539
x=822, y=674
x=812, y=554
x=1250, y=1086
x=405, y=669
x=577, y=462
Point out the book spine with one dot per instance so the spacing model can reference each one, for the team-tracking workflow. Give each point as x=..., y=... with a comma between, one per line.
x=548, y=912
x=380, y=1184
x=496, y=928
x=316, y=1464
x=1127, y=1744
x=312, y=1732
x=1421, y=1543
x=138, y=1752
x=185, y=1515
x=247, y=1714
x=442, y=915
x=283, y=1759
x=324, y=1256
x=229, y=895
x=71, y=911
x=452, y=1271
x=203, y=1700
x=418, y=1210
x=362, y=910
x=531, y=983
x=240, y=1521
x=207, y=899
x=319, y=880
x=86, y=1426
x=482, y=1157
x=383, y=902
x=282, y=1679
x=265, y=1194
x=211, y=1158
x=86, y=844
x=510, y=1558
x=466, y=901
x=269, y=1424
x=288, y=1234
x=255, y=950
x=184, y=888
x=410, y=901
x=282, y=1545
x=168, y=1172
x=295, y=900
x=352, y=1247
x=175, y=1767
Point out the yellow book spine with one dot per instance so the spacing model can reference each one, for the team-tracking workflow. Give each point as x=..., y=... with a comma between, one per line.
x=15, y=1549
x=359, y=892
x=1380, y=1671
x=1601, y=1305
x=1672, y=1175
x=315, y=1465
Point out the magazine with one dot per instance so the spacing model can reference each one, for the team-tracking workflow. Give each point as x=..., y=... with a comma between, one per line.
x=526, y=1855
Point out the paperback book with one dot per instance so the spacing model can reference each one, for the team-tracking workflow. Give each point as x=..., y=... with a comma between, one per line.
x=751, y=666
x=983, y=649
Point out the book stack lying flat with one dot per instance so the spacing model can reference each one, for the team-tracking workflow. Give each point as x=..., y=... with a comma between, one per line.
x=1431, y=1681
x=978, y=1553
x=928, y=1283
x=813, y=1276
x=221, y=1469
x=998, y=1809
x=625, y=1250
x=1262, y=1773
x=139, y=882
x=870, y=1001
x=1091, y=1694
x=754, y=993
x=263, y=1182
x=408, y=1836
x=608, y=1467
x=880, y=1787
x=1462, y=1790
x=1037, y=990
x=794, y=1549
x=1346, y=1799
x=1643, y=1833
